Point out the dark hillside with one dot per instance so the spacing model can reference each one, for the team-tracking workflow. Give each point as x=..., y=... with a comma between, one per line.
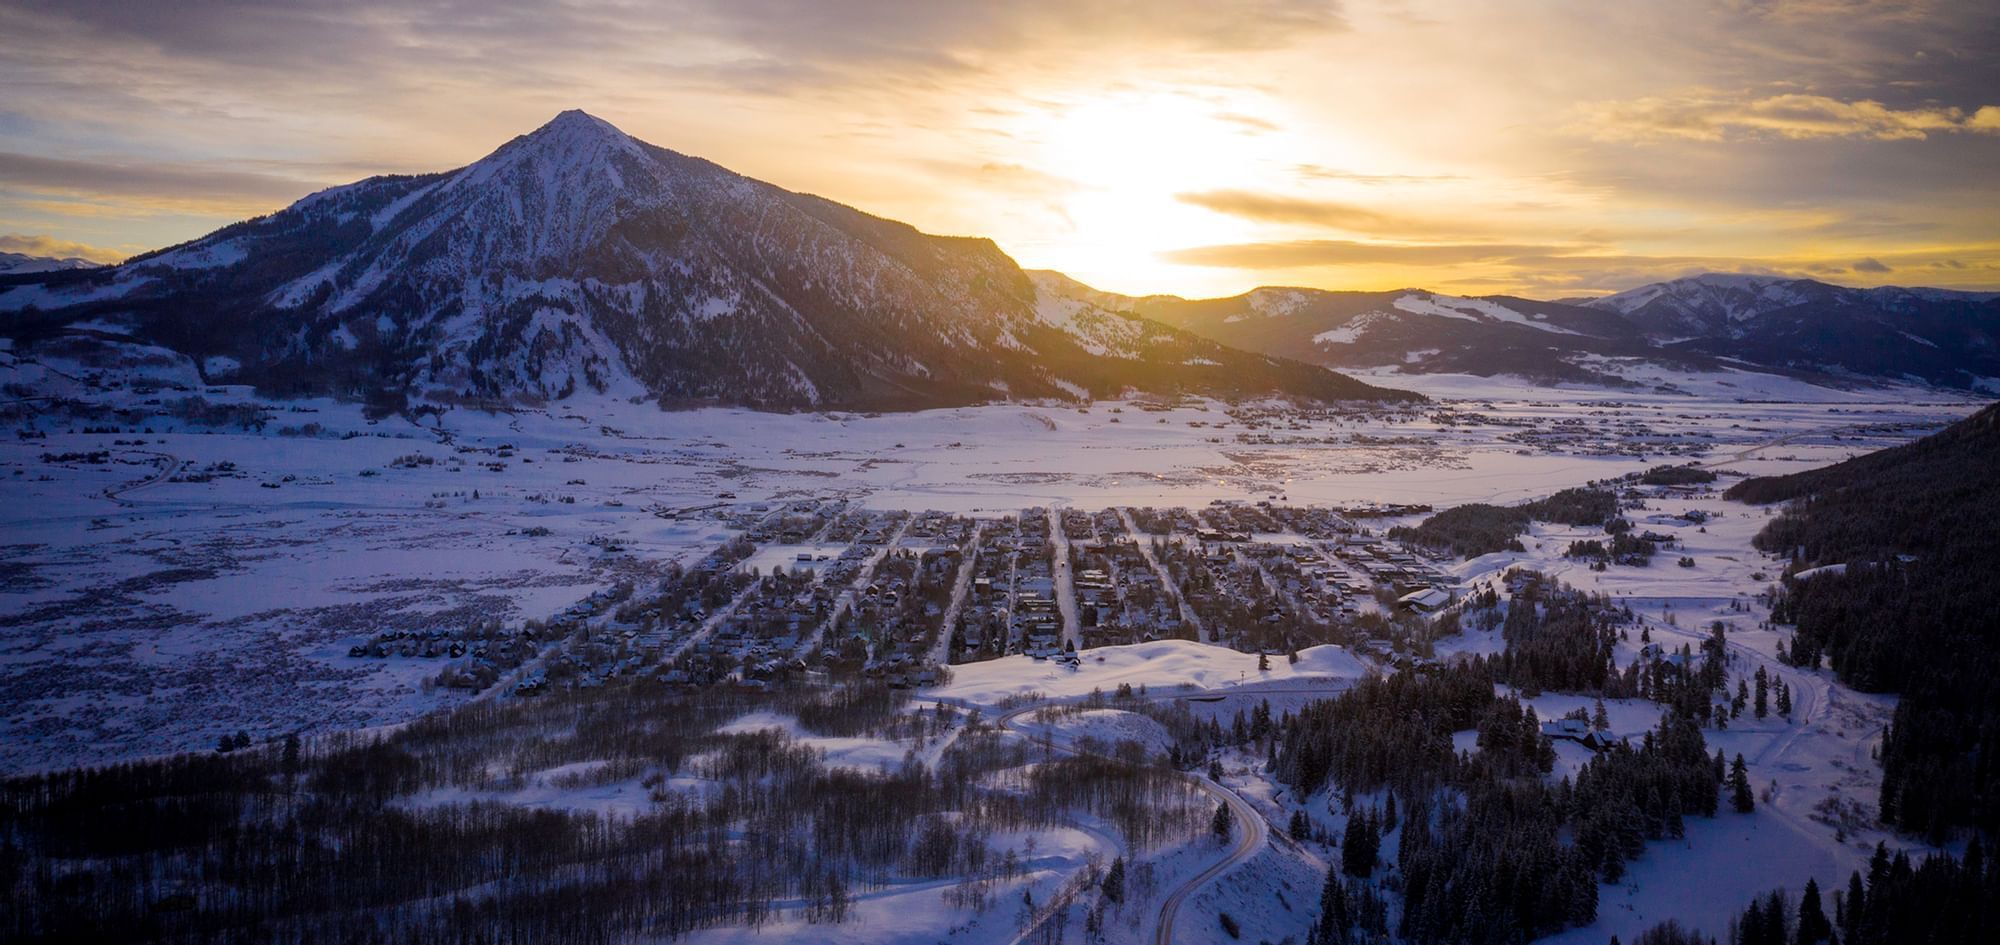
x=1915, y=611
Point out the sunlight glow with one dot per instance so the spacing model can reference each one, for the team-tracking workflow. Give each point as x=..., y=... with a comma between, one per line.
x=1129, y=155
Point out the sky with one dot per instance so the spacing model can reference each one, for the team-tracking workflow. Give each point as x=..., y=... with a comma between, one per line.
x=1546, y=148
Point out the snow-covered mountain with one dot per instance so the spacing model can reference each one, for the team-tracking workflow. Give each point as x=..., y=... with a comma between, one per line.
x=1935, y=335
x=1411, y=329
x=577, y=259
x=1706, y=322
x=22, y=264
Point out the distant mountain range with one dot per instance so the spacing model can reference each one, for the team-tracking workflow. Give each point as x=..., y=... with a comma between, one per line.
x=1800, y=326
x=22, y=264
x=577, y=259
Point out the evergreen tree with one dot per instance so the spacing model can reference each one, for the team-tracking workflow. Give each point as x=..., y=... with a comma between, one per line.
x=1851, y=908
x=1763, y=693
x=1813, y=926
x=1359, y=848
x=1113, y=884
x=1784, y=700
x=1223, y=823
x=1600, y=719
x=1300, y=827
x=1739, y=786
x=1334, y=922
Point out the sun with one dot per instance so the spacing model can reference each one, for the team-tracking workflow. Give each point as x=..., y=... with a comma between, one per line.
x=1127, y=156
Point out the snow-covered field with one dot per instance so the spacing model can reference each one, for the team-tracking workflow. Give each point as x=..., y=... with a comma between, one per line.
x=193, y=580
x=1176, y=667
x=165, y=581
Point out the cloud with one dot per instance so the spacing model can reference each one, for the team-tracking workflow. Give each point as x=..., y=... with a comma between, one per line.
x=1250, y=123
x=178, y=184
x=1429, y=142
x=1322, y=172
x=774, y=43
x=58, y=248
x=1464, y=224
x=1300, y=254
x=1271, y=208
x=1584, y=272
x=1795, y=116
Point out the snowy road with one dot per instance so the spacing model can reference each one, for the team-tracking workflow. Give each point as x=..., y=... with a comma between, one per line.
x=861, y=579
x=1251, y=833
x=968, y=564
x=1166, y=580
x=1252, y=830
x=1065, y=581
x=169, y=465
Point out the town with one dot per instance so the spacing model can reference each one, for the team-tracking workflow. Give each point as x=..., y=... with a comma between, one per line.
x=821, y=588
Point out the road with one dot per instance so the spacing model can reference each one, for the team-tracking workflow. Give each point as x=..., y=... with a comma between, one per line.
x=169, y=465
x=1166, y=580
x=968, y=564
x=1251, y=834
x=1252, y=830
x=861, y=579
x=1811, y=694
x=1065, y=581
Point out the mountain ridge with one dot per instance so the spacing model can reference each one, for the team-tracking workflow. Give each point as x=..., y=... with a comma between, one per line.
x=26, y=264
x=1716, y=321
x=576, y=258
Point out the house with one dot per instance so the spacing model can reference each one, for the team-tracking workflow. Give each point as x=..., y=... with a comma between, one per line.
x=1425, y=601
x=1576, y=730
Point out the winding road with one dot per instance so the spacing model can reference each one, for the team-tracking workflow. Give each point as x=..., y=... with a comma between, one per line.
x=169, y=465
x=1251, y=834
x=1252, y=830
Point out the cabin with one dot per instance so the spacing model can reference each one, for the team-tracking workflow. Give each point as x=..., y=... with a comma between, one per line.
x=1576, y=730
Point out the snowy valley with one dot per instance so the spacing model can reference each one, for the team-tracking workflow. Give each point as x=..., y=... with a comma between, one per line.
x=593, y=544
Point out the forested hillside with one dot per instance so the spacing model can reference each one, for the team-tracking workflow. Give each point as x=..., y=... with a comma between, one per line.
x=1943, y=900
x=1915, y=534
x=418, y=836
x=1477, y=528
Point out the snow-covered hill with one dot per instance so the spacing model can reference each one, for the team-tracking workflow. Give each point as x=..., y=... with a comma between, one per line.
x=12, y=264
x=578, y=259
x=1708, y=323
x=1933, y=335
x=1410, y=329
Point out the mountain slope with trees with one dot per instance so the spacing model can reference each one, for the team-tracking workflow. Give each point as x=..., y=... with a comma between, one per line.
x=1915, y=531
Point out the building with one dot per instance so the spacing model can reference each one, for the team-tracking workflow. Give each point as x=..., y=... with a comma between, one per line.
x=1425, y=601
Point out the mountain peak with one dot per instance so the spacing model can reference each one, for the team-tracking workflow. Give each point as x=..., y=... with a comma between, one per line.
x=573, y=137
x=575, y=121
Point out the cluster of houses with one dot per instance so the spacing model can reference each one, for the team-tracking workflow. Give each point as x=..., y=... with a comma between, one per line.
x=1010, y=604
x=813, y=587
x=1607, y=432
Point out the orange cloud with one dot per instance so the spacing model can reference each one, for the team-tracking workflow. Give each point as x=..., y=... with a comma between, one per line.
x=1793, y=116
x=59, y=248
